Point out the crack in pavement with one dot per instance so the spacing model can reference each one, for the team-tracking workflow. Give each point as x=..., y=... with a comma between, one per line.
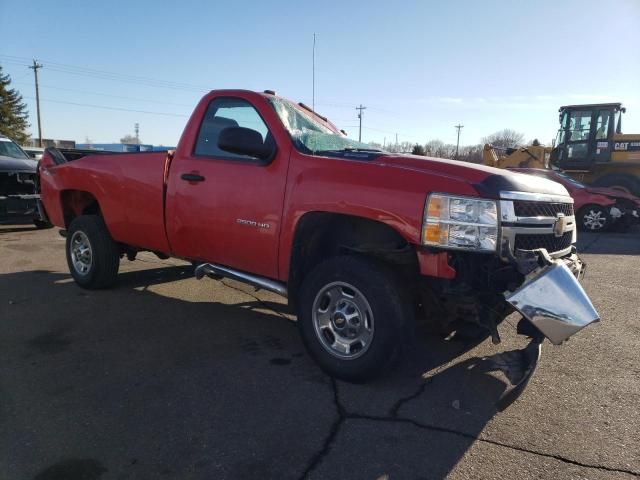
x=428, y=379
x=344, y=415
x=393, y=416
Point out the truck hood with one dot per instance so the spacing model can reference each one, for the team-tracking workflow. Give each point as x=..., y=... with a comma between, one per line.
x=488, y=181
x=11, y=165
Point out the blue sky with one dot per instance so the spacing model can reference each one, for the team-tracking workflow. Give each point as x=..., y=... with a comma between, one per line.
x=420, y=67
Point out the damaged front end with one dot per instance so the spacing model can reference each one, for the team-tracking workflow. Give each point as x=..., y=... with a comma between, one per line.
x=551, y=298
x=19, y=190
x=625, y=212
x=535, y=272
x=17, y=194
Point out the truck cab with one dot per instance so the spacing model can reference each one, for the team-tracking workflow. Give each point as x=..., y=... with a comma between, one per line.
x=591, y=147
x=266, y=191
x=586, y=135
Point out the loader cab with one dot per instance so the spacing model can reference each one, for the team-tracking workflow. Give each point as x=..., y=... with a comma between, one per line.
x=586, y=134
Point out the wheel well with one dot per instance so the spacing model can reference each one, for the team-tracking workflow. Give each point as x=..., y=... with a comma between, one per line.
x=76, y=203
x=321, y=235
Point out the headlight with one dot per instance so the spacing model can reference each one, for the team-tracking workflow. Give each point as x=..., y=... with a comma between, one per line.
x=460, y=222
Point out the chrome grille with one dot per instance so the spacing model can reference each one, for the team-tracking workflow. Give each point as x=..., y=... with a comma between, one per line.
x=545, y=240
x=541, y=209
x=528, y=220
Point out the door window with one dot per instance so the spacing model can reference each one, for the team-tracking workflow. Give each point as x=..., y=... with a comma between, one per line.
x=579, y=125
x=602, y=124
x=228, y=112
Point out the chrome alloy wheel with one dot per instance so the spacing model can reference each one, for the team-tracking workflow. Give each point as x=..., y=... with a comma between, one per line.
x=81, y=253
x=594, y=220
x=343, y=320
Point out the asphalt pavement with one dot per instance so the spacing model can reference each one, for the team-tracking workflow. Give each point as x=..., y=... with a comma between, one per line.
x=168, y=377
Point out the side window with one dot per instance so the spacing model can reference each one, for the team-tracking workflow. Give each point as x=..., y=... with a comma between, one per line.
x=602, y=125
x=227, y=112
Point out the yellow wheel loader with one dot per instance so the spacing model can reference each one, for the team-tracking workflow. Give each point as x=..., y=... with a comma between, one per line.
x=589, y=146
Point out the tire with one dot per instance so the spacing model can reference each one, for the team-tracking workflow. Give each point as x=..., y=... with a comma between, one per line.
x=594, y=218
x=92, y=255
x=362, y=301
x=625, y=183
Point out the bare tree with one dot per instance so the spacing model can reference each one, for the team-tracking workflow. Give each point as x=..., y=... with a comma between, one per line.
x=471, y=153
x=506, y=138
x=432, y=148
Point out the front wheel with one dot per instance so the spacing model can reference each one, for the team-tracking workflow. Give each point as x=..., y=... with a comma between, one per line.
x=352, y=317
x=92, y=255
x=594, y=218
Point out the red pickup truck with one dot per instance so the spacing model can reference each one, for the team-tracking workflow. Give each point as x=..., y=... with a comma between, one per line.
x=266, y=191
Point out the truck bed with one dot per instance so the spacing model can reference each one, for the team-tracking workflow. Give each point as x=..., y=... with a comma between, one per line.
x=130, y=187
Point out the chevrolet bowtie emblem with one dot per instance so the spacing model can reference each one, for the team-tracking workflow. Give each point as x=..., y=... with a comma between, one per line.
x=560, y=225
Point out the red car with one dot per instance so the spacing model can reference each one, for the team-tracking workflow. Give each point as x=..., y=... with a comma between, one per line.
x=597, y=208
x=268, y=192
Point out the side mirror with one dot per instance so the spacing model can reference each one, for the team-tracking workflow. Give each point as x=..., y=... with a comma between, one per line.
x=244, y=141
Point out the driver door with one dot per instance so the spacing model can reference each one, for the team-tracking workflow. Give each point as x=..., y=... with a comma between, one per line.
x=222, y=207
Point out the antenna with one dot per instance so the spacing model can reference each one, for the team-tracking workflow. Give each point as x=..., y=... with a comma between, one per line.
x=313, y=74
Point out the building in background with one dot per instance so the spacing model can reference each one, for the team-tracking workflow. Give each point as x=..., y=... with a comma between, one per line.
x=122, y=147
x=49, y=142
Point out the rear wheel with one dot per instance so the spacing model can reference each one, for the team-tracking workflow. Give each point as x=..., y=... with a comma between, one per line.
x=92, y=255
x=352, y=317
x=594, y=218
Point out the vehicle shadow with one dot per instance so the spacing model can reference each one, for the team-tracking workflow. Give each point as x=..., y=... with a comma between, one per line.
x=609, y=243
x=13, y=225
x=138, y=383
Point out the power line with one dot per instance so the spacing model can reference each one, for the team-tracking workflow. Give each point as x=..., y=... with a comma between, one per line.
x=105, y=107
x=105, y=75
x=87, y=92
x=148, y=81
x=35, y=67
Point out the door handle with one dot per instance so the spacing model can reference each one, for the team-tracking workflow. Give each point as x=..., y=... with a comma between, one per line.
x=192, y=177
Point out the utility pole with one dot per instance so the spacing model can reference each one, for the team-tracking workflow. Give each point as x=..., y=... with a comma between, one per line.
x=396, y=142
x=360, y=109
x=136, y=127
x=35, y=68
x=459, y=126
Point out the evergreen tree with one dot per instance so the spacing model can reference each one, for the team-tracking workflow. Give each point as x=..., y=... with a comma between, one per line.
x=13, y=111
x=418, y=150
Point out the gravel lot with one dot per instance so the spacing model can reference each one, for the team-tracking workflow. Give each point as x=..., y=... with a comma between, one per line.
x=168, y=377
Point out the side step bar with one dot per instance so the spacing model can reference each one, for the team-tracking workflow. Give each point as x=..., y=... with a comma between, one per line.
x=217, y=271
